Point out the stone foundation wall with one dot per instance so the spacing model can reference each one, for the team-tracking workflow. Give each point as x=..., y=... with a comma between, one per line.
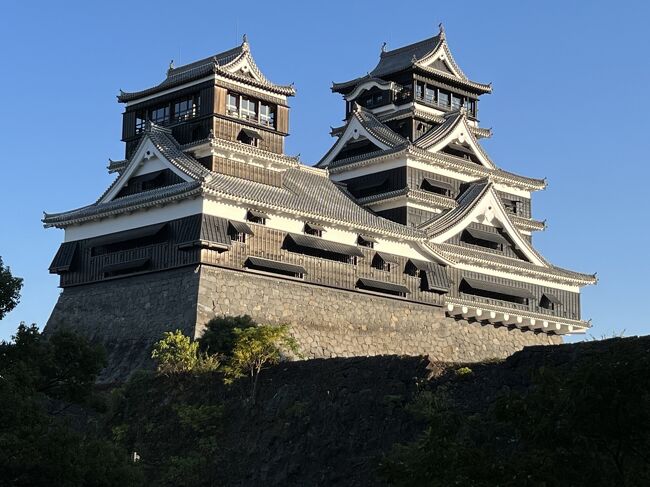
x=128, y=315
x=330, y=322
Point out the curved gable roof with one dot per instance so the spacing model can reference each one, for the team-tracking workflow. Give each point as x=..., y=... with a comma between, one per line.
x=455, y=127
x=363, y=123
x=479, y=202
x=422, y=54
x=226, y=63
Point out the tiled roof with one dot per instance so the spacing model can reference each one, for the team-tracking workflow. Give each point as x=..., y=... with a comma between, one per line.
x=204, y=67
x=434, y=199
x=435, y=134
x=409, y=56
x=116, y=166
x=378, y=129
x=128, y=203
x=454, y=252
x=163, y=140
x=395, y=60
x=312, y=194
x=466, y=202
x=410, y=112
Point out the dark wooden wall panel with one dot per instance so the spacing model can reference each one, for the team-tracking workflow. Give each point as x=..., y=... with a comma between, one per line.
x=230, y=129
x=569, y=309
x=283, y=119
x=267, y=243
x=220, y=95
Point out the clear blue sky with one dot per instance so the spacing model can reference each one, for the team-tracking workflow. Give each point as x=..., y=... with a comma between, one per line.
x=570, y=103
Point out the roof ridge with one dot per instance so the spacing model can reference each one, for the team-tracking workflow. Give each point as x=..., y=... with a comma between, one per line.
x=399, y=50
x=215, y=58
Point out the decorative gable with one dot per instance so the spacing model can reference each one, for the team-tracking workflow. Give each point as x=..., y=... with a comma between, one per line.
x=455, y=137
x=146, y=164
x=481, y=205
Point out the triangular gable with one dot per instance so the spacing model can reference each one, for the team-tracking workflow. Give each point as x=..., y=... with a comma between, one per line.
x=485, y=208
x=146, y=159
x=441, y=65
x=455, y=130
x=354, y=130
x=441, y=56
x=244, y=65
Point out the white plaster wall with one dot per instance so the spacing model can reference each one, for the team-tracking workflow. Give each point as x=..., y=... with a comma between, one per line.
x=120, y=223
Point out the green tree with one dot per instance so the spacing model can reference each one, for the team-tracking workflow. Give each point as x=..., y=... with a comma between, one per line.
x=10, y=287
x=584, y=424
x=219, y=335
x=255, y=348
x=176, y=353
x=40, y=379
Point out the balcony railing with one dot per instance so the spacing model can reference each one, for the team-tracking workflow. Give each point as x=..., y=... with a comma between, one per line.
x=432, y=102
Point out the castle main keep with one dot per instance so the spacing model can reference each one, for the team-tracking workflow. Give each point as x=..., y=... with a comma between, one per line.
x=405, y=237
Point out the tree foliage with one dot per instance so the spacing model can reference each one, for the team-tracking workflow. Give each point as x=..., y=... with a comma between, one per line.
x=176, y=353
x=10, y=287
x=40, y=381
x=219, y=335
x=255, y=348
x=586, y=426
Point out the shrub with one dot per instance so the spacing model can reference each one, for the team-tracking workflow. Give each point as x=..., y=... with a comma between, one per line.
x=255, y=348
x=219, y=336
x=177, y=353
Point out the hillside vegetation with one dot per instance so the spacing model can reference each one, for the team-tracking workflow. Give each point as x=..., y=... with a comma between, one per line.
x=565, y=415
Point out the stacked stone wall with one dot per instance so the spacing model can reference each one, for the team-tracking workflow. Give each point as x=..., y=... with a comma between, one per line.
x=330, y=322
x=128, y=315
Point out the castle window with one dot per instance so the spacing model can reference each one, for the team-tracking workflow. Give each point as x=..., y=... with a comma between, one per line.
x=251, y=109
x=140, y=121
x=429, y=94
x=382, y=287
x=384, y=262
x=443, y=98
x=494, y=241
x=491, y=290
x=549, y=301
x=129, y=239
x=258, y=217
x=315, y=230
x=187, y=108
x=239, y=231
x=438, y=187
x=456, y=101
x=267, y=115
x=248, y=108
x=274, y=266
x=324, y=249
x=366, y=241
x=433, y=276
x=159, y=115
x=419, y=90
x=249, y=137
x=511, y=206
x=64, y=258
x=471, y=107
x=233, y=105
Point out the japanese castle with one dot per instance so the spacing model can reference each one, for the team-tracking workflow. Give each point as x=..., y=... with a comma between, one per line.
x=406, y=213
